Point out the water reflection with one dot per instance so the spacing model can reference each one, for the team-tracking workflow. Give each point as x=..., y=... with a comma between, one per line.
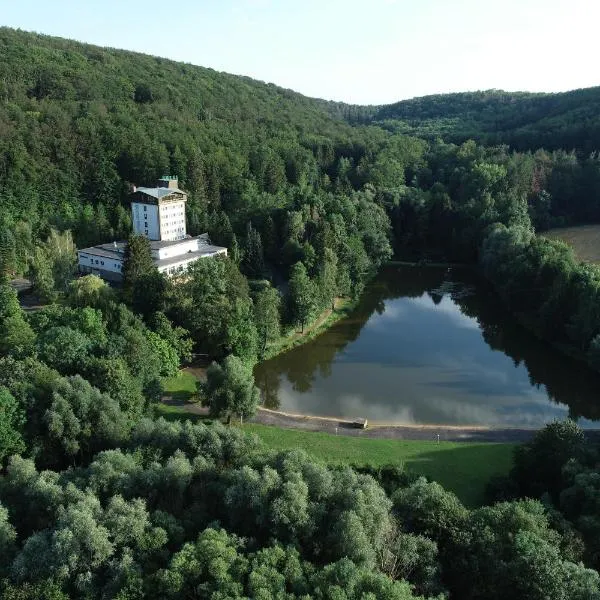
x=430, y=346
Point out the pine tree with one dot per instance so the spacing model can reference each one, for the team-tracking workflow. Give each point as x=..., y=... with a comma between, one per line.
x=8, y=254
x=253, y=261
x=266, y=316
x=234, y=251
x=137, y=265
x=301, y=295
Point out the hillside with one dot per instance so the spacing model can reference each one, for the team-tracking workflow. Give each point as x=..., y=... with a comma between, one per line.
x=525, y=121
x=79, y=123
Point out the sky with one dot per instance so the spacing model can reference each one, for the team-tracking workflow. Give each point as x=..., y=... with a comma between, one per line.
x=357, y=51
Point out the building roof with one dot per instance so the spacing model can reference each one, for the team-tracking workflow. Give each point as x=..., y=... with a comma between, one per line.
x=116, y=250
x=106, y=250
x=188, y=256
x=158, y=244
x=158, y=192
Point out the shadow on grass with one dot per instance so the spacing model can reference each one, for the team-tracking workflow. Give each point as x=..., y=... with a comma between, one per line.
x=174, y=411
x=180, y=397
x=464, y=470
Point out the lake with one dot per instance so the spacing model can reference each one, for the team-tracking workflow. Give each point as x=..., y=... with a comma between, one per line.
x=429, y=345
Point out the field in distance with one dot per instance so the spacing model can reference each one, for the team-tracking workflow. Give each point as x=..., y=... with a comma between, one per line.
x=584, y=239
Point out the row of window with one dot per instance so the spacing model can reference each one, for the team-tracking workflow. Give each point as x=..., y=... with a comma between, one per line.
x=100, y=262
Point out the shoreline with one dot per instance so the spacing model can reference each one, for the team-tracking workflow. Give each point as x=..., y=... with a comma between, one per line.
x=401, y=432
x=321, y=324
x=378, y=430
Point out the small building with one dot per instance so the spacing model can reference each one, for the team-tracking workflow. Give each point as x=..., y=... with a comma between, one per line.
x=159, y=214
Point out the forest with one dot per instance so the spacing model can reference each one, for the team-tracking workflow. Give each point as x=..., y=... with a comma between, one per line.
x=101, y=499
x=522, y=120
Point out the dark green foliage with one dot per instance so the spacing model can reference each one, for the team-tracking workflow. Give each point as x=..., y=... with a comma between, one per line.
x=538, y=465
x=81, y=420
x=229, y=389
x=253, y=262
x=53, y=265
x=522, y=120
x=189, y=509
x=214, y=305
x=267, y=306
x=12, y=419
x=542, y=281
x=16, y=336
x=142, y=508
x=301, y=297
x=141, y=281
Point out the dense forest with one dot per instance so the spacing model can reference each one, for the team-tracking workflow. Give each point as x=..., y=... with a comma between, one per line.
x=100, y=499
x=522, y=120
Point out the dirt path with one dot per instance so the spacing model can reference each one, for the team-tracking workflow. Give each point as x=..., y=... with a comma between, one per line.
x=448, y=433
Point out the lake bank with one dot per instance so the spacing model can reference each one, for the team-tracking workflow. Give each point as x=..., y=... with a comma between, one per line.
x=175, y=406
x=343, y=306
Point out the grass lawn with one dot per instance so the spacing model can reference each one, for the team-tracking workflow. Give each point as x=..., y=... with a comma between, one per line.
x=461, y=467
x=584, y=239
x=181, y=387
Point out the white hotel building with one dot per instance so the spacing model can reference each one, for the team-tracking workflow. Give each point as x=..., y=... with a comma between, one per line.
x=159, y=214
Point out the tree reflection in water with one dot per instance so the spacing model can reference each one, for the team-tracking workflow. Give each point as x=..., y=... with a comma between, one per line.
x=566, y=381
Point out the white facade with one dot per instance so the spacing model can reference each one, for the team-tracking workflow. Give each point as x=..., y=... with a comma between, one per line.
x=192, y=244
x=146, y=220
x=179, y=264
x=164, y=221
x=99, y=263
x=172, y=220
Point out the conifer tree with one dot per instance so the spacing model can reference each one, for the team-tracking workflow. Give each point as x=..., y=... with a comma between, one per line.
x=301, y=296
x=253, y=260
x=137, y=265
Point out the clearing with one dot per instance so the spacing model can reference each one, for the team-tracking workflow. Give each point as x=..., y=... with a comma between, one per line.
x=584, y=239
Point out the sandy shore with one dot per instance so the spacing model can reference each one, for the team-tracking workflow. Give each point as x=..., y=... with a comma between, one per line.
x=336, y=426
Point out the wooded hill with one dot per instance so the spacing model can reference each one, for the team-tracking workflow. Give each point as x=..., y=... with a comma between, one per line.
x=78, y=123
x=525, y=121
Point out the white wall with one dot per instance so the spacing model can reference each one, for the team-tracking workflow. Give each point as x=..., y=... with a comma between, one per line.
x=180, y=266
x=91, y=261
x=172, y=220
x=185, y=246
x=145, y=220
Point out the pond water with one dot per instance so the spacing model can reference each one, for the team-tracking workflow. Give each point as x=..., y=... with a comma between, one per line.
x=431, y=346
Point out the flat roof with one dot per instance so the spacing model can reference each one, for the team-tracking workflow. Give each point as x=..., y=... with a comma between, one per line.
x=189, y=256
x=103, y=251
x=116, y=250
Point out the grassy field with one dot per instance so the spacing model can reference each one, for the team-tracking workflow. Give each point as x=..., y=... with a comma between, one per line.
x=180, y=388
x=461, y=467
x=584, y=239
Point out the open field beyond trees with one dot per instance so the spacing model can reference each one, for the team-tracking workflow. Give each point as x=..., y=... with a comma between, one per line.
x=584, y=239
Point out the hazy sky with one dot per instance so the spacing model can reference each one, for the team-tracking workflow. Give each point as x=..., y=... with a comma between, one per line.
x=359, y=51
